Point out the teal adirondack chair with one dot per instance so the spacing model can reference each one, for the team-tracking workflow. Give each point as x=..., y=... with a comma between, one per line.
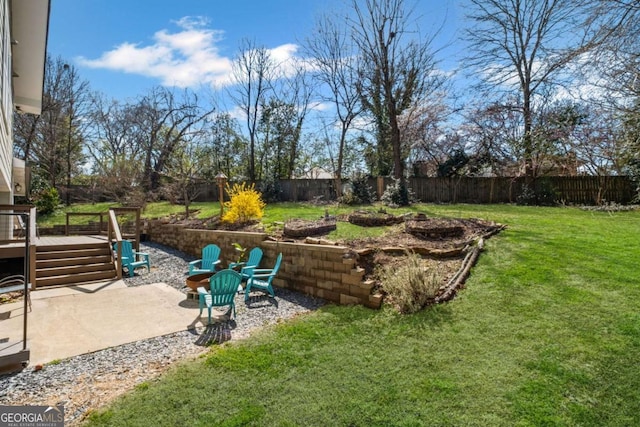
x=255, y=256
x=222, y=291
x=261, y=279
x=132, y=259
x=207, y=264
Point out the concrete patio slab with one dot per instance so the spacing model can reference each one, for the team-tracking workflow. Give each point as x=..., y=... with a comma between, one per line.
x=74, y=320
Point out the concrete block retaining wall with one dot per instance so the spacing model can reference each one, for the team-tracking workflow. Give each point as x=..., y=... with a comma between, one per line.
x=328, y=272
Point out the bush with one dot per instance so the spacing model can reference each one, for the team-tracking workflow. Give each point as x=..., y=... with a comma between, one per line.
x=359, y=193
x=542, y=193
x=46, y=201
x=270, y=190
x=398, y=194
x=245, y=204
x=411, y=286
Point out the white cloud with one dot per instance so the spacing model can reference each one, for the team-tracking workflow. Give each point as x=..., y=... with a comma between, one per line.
x=189, y=57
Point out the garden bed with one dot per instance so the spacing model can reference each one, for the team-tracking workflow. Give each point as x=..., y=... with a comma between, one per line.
x=374, y=219
x=297, y=228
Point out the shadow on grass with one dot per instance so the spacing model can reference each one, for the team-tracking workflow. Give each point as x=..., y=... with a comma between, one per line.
x=218, y=332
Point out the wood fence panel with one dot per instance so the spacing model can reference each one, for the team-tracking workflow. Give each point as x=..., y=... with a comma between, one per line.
x=587, y=190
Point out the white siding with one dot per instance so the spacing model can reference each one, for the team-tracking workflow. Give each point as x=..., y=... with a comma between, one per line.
x=6, y=113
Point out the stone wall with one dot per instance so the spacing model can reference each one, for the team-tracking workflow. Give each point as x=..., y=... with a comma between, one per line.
x=328, y=272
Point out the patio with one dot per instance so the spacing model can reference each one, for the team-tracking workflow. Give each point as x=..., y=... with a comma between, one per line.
x=74, y=320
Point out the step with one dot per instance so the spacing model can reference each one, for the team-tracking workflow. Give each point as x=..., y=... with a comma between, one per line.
x=74, y=269
x=63, y=262
x=76, y=278
x=72, y=253
x=63, y=247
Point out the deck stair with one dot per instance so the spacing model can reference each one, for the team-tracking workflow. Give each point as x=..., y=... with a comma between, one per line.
x=68, y=264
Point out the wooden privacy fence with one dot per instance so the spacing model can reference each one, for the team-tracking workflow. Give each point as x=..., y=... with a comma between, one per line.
x=585, y=190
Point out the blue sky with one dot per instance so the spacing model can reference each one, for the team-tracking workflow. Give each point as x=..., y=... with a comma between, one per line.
x=125, y=47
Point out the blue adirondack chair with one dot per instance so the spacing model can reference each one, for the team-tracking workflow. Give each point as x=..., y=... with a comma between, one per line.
x=132, y=259
x=246, y=268
x=222, y=291
x=207, y=264
x=261, y=279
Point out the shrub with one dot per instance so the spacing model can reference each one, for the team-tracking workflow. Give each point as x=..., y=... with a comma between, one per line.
x=46, y=200
x=359, y=193
x=270, y=190
x=245, y=204
x=398, y=194
x=542, y=193
x=411, y=286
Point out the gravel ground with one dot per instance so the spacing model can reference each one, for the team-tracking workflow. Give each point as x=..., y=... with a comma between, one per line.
x=89, y=381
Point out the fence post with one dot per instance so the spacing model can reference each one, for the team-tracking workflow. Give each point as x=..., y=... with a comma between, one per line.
x=380, y=185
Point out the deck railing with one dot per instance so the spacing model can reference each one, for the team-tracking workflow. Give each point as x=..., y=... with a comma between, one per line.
x=91, y=228
x=114, y=237
x=13, y=227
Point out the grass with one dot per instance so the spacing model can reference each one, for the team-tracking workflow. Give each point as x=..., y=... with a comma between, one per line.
x=152, y=210
x=546, y=333
x=274, y=216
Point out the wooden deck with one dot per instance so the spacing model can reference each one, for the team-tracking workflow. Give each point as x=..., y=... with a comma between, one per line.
x=68, y=240
x=15, y=249
x=62, y=260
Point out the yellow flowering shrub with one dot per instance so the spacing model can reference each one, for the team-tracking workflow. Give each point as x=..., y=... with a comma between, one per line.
x=245, y=204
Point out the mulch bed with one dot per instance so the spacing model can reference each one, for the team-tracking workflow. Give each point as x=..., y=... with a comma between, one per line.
x=443, y=243
x=374, y=219
x=297, y=228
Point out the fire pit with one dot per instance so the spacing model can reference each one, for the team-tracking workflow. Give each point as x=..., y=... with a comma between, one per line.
x=197, y=280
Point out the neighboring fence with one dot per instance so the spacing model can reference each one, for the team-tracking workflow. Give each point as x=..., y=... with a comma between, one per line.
x=588, y=190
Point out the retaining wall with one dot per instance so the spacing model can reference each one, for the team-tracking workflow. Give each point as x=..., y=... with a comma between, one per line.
x=324, y=271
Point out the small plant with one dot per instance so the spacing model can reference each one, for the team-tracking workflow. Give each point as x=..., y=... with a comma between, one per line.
x=245, y=204
x=240, y=250
x=411, y=286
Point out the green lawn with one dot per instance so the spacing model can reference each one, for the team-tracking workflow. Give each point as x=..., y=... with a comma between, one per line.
x=546, y=332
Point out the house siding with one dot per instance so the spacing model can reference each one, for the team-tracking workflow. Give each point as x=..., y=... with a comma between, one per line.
x=6, y=109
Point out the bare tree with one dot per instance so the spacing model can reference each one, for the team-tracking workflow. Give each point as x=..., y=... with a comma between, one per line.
x=117, y=157
x=297, y=90
x=164, y=120
x=54, y=141
x=184, y=172
x=523, y=47
x=113, y=131
x=252, y=75
x=227, y=151
x=424, y=136
x=493, y=135
x=617, y=59
x=78, y=114
x=336, y=66
x=397, y=70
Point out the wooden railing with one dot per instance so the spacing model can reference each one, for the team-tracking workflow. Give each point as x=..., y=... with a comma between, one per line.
x=114, y=238
x=135, y=236
x=100, y=227
x=89, y=230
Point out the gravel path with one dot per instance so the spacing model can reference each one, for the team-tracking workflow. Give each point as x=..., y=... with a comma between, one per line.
x=89, y=381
